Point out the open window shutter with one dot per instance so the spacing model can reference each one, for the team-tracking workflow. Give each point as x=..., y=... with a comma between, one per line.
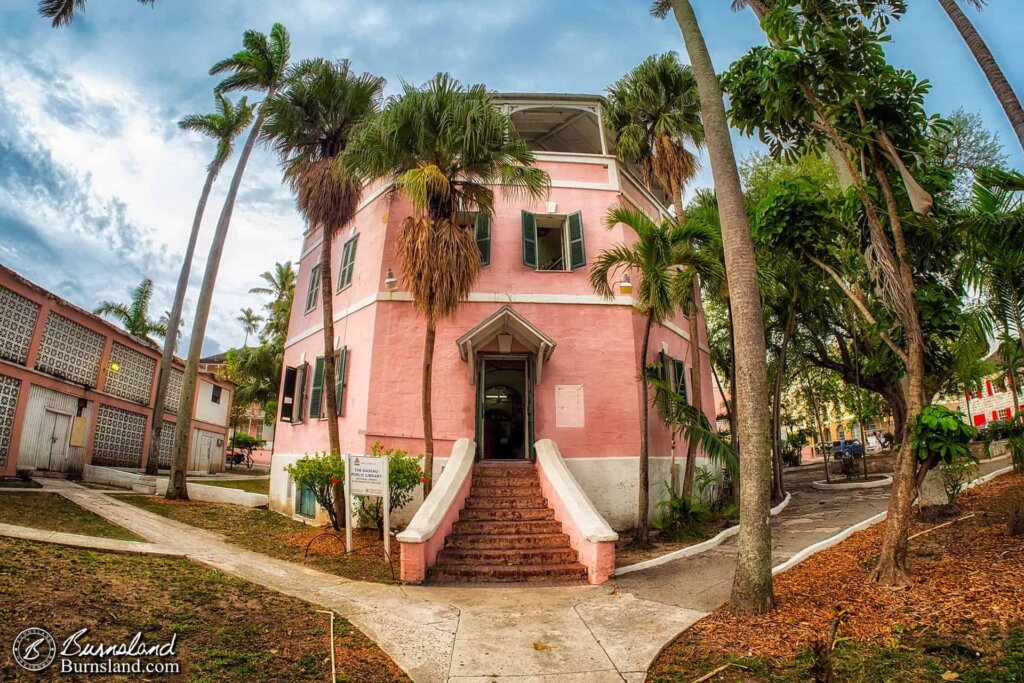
x=577, y=254
x=300, y=392
x=316, y=394
x=529, y=239
x=680, y=371
x=288, y=395
x=665, y=371
x=348, y=260
x=482, y=231
x=314, y=288
x=340, y=363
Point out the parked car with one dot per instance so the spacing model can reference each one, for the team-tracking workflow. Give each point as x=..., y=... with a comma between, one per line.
x=847, y=446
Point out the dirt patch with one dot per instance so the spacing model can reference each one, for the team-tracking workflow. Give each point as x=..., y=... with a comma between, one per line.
x=273, y=534
x=228, y=629
x=13, y=483
x=966, y=585
x=52, y=512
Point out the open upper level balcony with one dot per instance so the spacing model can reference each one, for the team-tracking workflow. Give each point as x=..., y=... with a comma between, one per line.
x=568, y=134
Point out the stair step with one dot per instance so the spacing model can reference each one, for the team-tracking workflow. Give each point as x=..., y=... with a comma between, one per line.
x=504, y=527
x=487, y=481
x=505, y=503
x=494, y=541
x=505, y=574
x=506, y=515
x=505, y=490
x=521, y=557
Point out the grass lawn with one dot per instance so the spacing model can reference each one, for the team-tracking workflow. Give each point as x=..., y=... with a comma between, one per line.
x=273, y=534
x=250, y=485
x=14, y=483
x=962, y=619
x=56, y=513
x=227, y=629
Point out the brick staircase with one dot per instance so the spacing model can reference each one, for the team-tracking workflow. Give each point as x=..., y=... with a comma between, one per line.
x=507, y=533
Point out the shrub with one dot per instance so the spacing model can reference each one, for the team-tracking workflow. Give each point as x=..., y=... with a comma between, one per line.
x=240, y=441
x=957, y=472
x=708, y=483
x=680, y=517
x=405, y=472
x=1013, y=432
x=324, y=475
x=940, y=435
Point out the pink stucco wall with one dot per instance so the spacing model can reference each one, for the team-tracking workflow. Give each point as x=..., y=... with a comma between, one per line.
x=597, y=342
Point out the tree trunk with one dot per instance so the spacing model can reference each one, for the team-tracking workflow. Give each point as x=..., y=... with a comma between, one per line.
x=996, y=79
x=752, y=585
x=643, y=526
x=173, y=320
x=176, y=489
x=778, y=489
x=330, y=369
x=817, y=421
x=428, y=420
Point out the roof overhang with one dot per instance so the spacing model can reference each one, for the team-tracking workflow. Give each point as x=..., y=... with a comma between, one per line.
x=505, y=321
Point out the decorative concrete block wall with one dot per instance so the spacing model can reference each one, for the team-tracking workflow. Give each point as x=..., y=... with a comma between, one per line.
x=19, y=315
x=166, y=444
x=173, y=391
x=134, y=378
x=119, y=437
x=70, y=350
x=9, y=388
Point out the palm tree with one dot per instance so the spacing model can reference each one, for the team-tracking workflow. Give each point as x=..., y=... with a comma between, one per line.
x=250, y=321
x=224, y=125
x=281, y=288
x=752, y=583
x=654, y=111
x=310, y=125
x=62, y=12
x=442, y=146
x=134, y=316
x=996, y=79
x=658, y=258
x=262, y=65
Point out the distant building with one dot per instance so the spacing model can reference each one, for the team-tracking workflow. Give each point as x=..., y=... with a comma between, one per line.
x=992, y=401
x=76, y=390
x=250, y=421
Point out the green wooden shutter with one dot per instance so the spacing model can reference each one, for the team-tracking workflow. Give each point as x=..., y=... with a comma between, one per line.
x=314, y=288
x=482, y=231
x=300, y=392
x=348, y=259
x=340, y=363
x=680, y=373
x=529, y=239
x=288, y=395
x=316, y=394
x=577, y=254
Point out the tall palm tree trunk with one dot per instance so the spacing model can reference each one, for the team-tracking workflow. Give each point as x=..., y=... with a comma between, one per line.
x=996, y=79
x=173, y=320
x=752, y=584
x=330, y=367
x=697, y=385
x=643, y=526
x=176, y=489
x=428, y=419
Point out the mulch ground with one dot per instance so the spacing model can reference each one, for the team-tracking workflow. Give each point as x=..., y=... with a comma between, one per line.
x=967, y=582
x=227, y=629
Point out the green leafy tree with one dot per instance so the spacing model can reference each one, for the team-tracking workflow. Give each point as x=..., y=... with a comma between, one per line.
x=324, y=475
x=280, y=287
x=443, y=146
x=62, y=12
x=250, y=321
x=260, y=65
x=940, y=435
x=134, y=316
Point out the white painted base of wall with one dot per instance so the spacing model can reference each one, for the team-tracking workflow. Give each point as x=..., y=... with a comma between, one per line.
x=139, y=482
x=848, y=485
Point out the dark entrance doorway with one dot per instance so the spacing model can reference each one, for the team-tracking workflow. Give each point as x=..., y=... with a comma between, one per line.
x=504, y=408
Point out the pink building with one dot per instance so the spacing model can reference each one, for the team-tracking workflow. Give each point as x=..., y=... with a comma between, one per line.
x=532, y=354
x=77, y=391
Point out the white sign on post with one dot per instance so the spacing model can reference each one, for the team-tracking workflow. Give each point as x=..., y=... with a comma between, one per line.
x=367, y=476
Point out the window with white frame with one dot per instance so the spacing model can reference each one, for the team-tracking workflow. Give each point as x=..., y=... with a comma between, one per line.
x=553, y=242
x=314, y=288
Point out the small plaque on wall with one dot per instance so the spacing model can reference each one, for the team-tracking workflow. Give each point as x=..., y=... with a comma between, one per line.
x=569, y=406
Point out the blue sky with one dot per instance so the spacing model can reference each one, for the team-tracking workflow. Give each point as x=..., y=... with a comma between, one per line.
x=98, y=186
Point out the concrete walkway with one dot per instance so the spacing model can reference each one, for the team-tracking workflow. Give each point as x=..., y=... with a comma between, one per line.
x=476, y=634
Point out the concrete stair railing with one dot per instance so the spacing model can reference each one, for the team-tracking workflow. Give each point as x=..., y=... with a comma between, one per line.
x=424, y=537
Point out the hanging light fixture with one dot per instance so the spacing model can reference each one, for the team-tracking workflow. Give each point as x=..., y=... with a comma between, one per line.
x=390, y=281
x=625, y=284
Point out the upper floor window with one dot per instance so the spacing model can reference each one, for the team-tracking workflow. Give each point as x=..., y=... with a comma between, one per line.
x=553, y=242
x=480, y=223
x=215, y=394
x=293, y=392
x=348, y=260
x=563, y=128
x=314, y=288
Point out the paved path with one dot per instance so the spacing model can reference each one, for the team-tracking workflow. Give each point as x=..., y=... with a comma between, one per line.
x=475, y=634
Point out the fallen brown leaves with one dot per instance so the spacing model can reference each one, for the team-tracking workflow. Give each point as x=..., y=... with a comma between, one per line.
x=966, y=577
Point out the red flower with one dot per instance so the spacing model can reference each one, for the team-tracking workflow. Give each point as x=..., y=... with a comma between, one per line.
x=423, y=480
x=334, y=480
